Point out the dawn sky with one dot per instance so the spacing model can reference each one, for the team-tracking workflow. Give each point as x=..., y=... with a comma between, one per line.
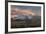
x=35, y=9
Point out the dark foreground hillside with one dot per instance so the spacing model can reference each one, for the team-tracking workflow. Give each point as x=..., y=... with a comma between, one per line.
x=34, y=22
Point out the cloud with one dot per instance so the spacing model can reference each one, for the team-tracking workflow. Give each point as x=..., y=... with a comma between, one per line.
x=33, y=10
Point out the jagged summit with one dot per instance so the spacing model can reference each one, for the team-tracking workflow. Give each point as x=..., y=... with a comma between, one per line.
x=22, y=16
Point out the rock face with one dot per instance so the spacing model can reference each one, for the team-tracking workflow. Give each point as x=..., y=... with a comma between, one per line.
x=34, y=22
